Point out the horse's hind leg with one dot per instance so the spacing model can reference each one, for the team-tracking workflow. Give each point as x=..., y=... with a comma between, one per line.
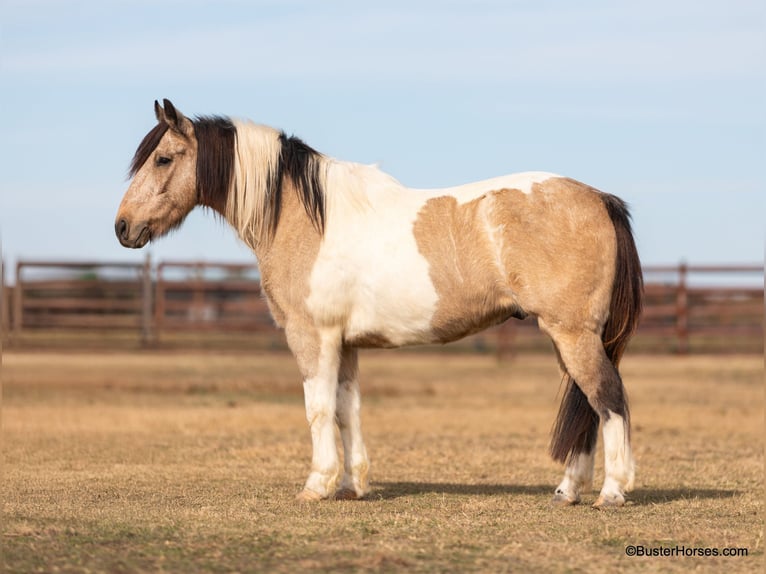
x=355, y=463
x=595, y=378
x=578, y=419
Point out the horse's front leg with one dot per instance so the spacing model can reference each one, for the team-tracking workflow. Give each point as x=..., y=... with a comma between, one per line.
x=355, y=462
x=318, y=355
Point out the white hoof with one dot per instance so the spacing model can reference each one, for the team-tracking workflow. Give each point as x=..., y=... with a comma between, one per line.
x=560, y=498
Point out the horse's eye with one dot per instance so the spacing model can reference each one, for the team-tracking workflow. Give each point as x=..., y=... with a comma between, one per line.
x=162, y=160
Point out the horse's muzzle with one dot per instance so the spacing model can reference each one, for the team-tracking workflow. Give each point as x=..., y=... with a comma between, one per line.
x=141, y=234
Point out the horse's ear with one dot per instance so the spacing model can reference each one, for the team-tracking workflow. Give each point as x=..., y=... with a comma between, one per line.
x=176, y=120
x=159, y=113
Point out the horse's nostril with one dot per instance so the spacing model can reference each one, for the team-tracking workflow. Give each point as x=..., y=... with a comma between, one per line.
x=121, y=229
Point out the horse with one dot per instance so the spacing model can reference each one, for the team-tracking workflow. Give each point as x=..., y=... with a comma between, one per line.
x=351, y=259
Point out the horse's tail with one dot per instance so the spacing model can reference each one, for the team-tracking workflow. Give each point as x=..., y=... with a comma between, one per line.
x=576, y=427
x=628, y=291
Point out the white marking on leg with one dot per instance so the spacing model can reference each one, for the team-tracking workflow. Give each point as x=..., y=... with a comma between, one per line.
x=578, y=477
x=355, y=462
x=320, y=397
x=619, y=467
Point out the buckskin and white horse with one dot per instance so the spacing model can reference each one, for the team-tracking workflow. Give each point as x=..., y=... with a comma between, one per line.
x=350, y=258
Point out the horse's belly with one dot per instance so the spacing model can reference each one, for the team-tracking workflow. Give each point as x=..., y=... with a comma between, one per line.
x=391, y=313
x=396, y=318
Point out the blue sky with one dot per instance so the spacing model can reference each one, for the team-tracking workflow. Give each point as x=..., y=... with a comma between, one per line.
x=659, y=102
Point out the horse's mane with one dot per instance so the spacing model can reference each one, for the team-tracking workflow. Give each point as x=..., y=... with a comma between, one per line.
x=263, y=159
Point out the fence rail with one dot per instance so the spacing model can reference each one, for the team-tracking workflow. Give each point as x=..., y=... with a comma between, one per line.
x=76, y=295
x=688, y=308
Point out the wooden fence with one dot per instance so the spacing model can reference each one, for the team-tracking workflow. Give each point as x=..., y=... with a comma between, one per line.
x=688, y=308
x=82, y=295
x=209, y=297
x=692, y=304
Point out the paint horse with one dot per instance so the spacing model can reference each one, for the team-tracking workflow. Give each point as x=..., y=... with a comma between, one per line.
x=351, y=259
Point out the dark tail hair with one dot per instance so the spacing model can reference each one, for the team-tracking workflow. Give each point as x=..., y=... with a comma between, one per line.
x=628, y=291
x=576, y=427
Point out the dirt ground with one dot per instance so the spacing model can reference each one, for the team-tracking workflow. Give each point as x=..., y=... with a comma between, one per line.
x=189, y=462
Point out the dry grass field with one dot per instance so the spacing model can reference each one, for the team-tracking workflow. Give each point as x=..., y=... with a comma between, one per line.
x=189, y=462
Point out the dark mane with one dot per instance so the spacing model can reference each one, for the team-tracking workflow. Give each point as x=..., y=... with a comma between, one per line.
x=215, y=160
x=300, y=163
x=146, y=147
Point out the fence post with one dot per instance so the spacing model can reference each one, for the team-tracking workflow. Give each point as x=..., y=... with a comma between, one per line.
x=682, y=310
x=17, y=301
x=3, y=303
x=146, y=302
x=159, y=302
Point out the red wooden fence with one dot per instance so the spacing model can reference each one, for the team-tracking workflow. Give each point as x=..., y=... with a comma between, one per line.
x=689, y=308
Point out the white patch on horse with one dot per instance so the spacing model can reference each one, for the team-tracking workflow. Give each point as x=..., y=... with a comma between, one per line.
x=619, y=466
x=364, y=261
x=523, y=182
x=578, y=477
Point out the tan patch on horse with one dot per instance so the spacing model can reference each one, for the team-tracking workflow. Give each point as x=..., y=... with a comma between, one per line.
x=558, y=248
x=370, y=340
x=463, y=267
x=508, y=253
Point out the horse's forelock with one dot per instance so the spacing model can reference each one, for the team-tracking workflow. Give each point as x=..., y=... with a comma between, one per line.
x=146, y=147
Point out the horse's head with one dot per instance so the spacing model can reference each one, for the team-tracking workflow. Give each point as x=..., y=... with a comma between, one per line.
x=164, y=186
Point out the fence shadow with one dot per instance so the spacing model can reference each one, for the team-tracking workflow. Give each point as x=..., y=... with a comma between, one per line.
x=641, y=496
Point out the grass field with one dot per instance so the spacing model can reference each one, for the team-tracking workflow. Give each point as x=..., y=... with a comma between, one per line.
x=189, y=462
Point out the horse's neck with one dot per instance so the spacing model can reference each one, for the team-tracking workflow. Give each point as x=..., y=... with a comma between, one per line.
x=287, y=259
x=349, y=188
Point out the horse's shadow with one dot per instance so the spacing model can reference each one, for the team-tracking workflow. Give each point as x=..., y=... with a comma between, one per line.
x=640, y=496
x=391, y=490
x=645, y=496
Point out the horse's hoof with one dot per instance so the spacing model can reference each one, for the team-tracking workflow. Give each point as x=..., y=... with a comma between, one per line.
x=604, y=502
x=306, y=495
x=561, y=499
x=346, y=494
